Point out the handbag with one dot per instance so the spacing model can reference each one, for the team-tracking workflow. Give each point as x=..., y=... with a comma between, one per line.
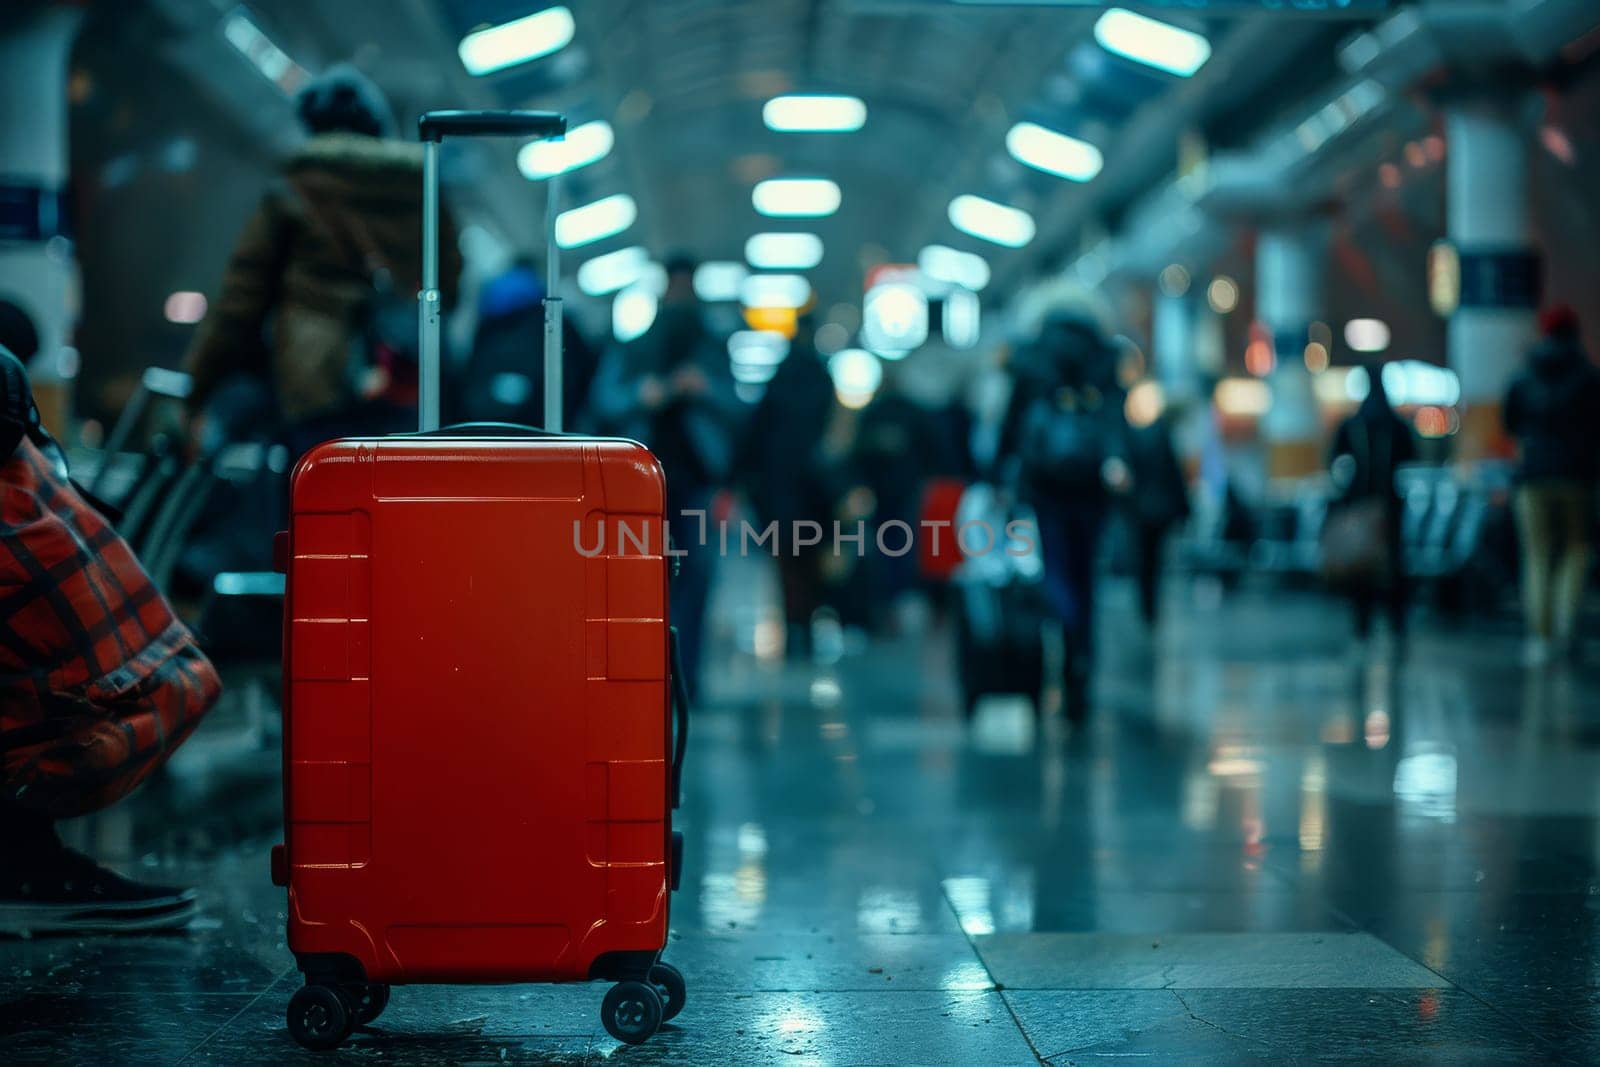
x=1355, y=543
x=1355, y=549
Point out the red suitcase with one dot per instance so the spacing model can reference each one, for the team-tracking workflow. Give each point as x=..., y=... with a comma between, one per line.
x=479, y=755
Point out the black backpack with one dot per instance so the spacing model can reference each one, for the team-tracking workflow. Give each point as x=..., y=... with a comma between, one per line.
x=1064, y=441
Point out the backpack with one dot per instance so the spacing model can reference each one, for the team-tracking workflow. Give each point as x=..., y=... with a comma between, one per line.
x=1063, y=444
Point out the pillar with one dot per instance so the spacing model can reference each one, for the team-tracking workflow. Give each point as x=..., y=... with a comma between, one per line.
x=1289, y=279
x=1487, y=212
x=38, y=272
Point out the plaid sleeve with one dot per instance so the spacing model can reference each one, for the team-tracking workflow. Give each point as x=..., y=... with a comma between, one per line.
x=99, y=680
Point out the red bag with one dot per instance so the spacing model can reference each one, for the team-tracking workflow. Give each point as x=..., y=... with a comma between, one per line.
x=938, y=554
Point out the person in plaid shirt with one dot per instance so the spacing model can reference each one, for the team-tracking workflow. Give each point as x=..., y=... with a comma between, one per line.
x=99, y=683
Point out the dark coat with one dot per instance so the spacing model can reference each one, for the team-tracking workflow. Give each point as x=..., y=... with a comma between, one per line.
x=1553, y=410
x=1160, y=494
x=1379, y=442
x=298, y=283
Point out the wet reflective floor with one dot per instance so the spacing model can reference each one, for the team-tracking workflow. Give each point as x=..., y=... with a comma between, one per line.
x=1266, y=847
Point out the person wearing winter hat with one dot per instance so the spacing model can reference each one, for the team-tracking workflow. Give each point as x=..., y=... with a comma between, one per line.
x=1553, y=413
x=338, y=235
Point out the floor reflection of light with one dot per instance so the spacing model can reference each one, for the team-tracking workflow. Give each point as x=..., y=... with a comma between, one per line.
x=970, y=898
x=1426, y=781
x=1233, y=761
x=1338, y=730
x=965, y=976
x=833, y=731
x=1313, y=803
x=1004, y=727
x=1200, y=802
x=768, y=639
x=733, y=899
x=752, y=839
x=825, y=692
x=886, y=910
x=791, y=1021
x=1376, y=728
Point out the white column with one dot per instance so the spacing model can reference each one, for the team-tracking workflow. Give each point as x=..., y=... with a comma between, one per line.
x=37, y=269
x=1172, y=346
x=1487, y=212
x=1289, y=279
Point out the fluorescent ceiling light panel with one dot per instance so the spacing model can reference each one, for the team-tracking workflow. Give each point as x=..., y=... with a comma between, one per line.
x=855, y=372
x=944, y=264
x=613, y=271
x=583, y=145
x=717, y=281
x=632, y=313
x=796, y=197
x=894, y=318
x=1366, y=335
x=596, y=221
x=989, y=221
x=775, y=291
x=1151, y=42
x=757, y=347
x=1054, y=153
x=814, y=114
x=519, y=41
x=783, y=251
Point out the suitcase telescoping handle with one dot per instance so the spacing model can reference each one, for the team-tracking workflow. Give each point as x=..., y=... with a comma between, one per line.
x=433, y=128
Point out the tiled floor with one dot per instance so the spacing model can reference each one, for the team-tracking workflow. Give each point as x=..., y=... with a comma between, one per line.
x=1265, y=848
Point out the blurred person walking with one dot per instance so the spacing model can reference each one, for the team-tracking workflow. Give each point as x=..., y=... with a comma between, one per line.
x=1064, y=429
x=1158, y=501
x=99, y=683
x=318, y=304
x=782, y=473
x=1553, y=412
x=672, y=390
x=503, y=377
x=1363, y=525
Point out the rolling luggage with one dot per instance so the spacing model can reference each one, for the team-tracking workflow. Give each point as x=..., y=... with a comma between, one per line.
x=480, y=761
x=999, y=613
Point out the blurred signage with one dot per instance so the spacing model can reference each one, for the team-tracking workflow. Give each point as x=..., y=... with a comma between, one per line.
x=1499, y=279
x=30, y=213
x=1444, y=279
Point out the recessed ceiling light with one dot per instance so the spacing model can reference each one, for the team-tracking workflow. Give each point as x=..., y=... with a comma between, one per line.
x=1054, y=153
x=1151, y=42
x=583, y=145
x=796, y=197
x=519, y=41
x=814, y=114
x=990, y=221
x=783, y=251
x=596, y=221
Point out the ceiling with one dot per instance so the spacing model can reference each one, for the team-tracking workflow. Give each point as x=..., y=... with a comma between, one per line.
x=683, y=83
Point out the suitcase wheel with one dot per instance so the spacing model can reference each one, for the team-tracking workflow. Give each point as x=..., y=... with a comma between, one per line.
x=668, y=981
x=369, y=999
x=319, y=1018
x=631, y=1012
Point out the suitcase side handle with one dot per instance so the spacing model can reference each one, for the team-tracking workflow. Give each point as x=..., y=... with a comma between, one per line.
x=436, y=125
x=680, y=706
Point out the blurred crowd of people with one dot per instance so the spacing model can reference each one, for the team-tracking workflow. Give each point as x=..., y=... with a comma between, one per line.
x=312, y=336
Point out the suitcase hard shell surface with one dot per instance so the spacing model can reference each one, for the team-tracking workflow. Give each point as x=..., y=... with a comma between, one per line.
x=478, y=727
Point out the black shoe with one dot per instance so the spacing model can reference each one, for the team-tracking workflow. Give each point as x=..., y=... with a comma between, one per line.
x=54, y=890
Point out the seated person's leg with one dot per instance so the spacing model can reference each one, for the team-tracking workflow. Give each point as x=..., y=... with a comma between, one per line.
x=99, y=682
